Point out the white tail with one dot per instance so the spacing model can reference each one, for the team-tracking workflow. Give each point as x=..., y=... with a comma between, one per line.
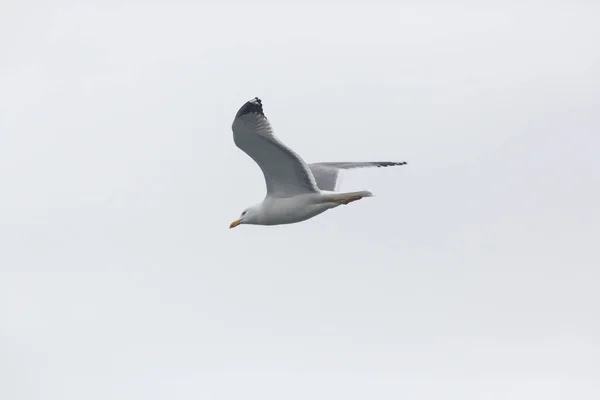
x=362, y=193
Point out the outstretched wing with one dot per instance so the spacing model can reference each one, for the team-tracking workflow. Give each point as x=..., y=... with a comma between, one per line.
x=286, y=174
x=326, y=173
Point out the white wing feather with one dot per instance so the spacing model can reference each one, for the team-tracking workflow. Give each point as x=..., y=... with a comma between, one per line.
x=286, y=174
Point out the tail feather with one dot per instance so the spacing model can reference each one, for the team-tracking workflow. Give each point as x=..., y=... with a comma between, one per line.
x=361, y=193
x=365, y=193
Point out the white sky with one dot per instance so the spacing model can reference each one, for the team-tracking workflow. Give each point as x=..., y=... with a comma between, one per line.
x=473, y=273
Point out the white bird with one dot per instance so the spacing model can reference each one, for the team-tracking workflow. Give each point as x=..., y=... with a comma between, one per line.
x=296, y=191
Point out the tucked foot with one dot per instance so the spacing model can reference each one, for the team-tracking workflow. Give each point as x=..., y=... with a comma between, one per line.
x=347, y=200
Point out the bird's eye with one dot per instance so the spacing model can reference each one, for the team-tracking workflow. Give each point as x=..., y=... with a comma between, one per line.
x=244, y=213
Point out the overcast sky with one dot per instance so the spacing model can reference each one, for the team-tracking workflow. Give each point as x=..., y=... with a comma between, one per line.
x=473, y=273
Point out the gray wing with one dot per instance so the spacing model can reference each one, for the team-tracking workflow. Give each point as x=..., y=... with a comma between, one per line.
x=286, y=174
x=326, y=173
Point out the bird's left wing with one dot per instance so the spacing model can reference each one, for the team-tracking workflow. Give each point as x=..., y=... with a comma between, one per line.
x=286, y=174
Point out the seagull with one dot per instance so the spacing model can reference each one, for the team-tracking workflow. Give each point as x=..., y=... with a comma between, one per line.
x=296, y=191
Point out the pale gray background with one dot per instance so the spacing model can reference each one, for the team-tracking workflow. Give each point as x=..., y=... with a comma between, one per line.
x=473, y=273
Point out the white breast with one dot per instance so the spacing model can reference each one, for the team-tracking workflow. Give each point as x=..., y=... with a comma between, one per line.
x=294, y=209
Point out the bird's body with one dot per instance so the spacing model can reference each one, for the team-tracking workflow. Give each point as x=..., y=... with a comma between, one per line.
x=296, y=191
x=288, y=210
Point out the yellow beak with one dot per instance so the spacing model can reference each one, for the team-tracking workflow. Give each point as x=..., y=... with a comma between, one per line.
x=234, y=223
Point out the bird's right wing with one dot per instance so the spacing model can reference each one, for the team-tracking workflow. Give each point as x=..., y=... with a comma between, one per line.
x=326, y=173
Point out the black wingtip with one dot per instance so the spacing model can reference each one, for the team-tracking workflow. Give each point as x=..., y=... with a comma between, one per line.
x=251, y=106
x=390, y=163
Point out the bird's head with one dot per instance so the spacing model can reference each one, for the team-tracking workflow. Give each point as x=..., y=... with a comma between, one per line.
x=248, y=216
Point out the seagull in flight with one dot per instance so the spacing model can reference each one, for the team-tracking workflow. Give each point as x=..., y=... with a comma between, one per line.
x=296, y=191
